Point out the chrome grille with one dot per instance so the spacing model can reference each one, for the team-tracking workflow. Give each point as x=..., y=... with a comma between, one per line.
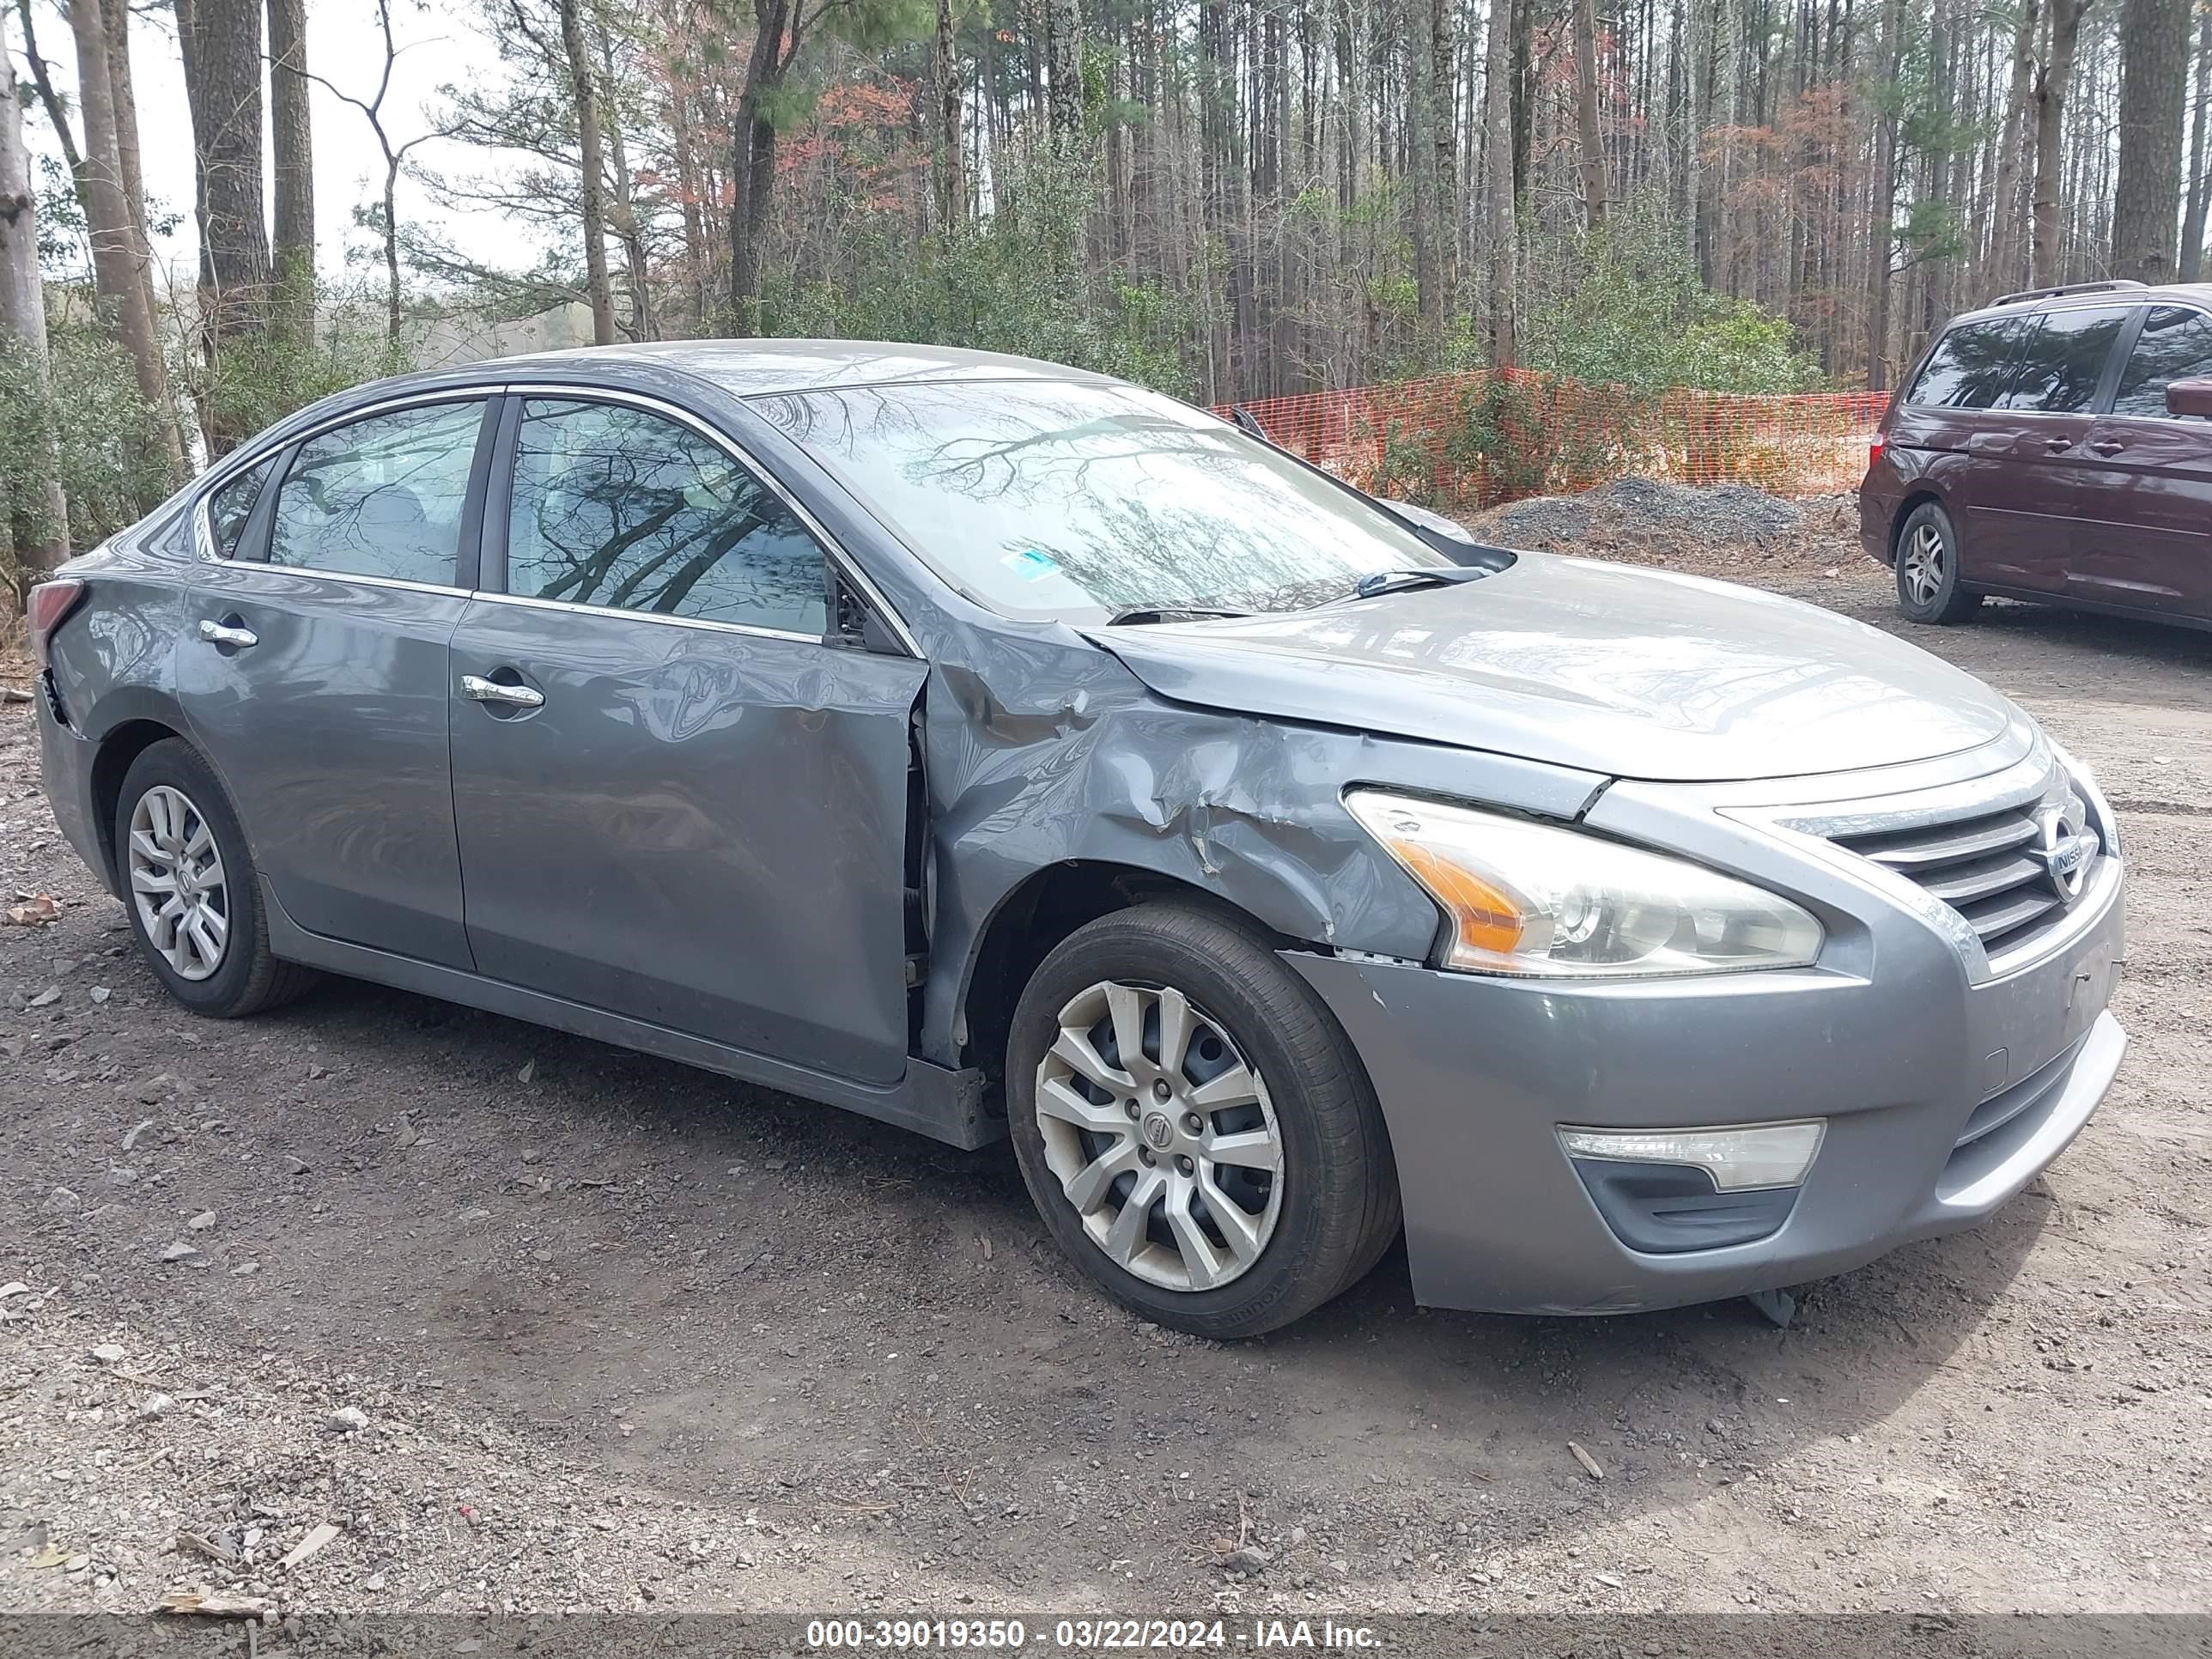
x=1989, y=868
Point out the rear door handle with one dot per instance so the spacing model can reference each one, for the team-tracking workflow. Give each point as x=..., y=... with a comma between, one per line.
x=216, y=633
x=476, y=689
x=2108, y=446
x=2056, y=445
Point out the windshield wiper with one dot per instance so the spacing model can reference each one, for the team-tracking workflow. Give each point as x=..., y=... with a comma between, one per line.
x=1391, y=582
x=1160, y=613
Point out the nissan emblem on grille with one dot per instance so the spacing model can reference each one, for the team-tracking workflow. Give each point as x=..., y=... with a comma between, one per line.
x=2064, y=851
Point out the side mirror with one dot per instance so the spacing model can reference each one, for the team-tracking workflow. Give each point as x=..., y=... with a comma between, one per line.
x=2189, y=398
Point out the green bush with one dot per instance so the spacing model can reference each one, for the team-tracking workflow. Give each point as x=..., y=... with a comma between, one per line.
x=1017, y=281
x=108, y=446
x=257, y=380
x=1631, y=310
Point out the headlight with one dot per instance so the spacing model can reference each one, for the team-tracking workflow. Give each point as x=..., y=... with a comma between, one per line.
x=1531, y=898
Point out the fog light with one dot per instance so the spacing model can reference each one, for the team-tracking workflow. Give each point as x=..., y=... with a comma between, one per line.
x=1741, y=1159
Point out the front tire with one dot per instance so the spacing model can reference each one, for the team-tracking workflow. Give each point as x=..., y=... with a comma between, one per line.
x=189, y=884
x=1193, y=1126
x=1928, y=585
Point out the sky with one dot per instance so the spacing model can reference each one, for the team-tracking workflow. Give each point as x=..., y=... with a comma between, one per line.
x=437, y=47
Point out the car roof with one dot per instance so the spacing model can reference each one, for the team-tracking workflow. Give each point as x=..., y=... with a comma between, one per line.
x=2078, y=295
x=751, y=368
x=740, y=368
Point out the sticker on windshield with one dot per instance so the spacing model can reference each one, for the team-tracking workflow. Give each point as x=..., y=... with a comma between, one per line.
x=1031, y=565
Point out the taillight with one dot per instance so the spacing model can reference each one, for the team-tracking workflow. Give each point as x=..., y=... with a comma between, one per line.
x=50, y=602
x=1873, y=450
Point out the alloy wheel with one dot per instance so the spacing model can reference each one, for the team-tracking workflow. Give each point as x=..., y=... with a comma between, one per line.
x=177, y=882
x=1162, y=1136
x=1925, y=558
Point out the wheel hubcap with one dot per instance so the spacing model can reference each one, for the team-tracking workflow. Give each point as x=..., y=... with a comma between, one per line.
x=1161, y=1135
x=177, y=883
x=1922, y=570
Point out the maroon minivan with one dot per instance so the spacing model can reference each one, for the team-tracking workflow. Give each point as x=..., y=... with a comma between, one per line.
x=2055, y=446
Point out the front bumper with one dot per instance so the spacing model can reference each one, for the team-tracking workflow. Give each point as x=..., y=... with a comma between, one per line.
x=1909, y=1050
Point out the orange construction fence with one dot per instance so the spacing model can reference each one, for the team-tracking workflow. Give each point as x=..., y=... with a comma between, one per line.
x=1472, y=441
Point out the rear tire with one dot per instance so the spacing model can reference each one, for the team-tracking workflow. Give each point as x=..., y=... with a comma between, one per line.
x=1222, y=1246
x=1928, y=585
x=188, y=885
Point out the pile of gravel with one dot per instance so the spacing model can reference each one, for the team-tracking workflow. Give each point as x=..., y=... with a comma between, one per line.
x=1716, y=529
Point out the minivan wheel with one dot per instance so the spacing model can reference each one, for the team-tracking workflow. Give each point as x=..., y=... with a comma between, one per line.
x=1193, y=1126
x=1928, y=588
x=189, y=886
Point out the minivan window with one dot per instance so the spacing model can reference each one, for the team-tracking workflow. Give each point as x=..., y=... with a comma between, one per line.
x=1075, y=500
x=383, y=496
x=613, y=505
x=2175, y=344
x=231, y=504
x=2064, y=358
x=1969, y=368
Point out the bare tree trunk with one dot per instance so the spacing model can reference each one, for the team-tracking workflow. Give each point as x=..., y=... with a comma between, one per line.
x=2200, y=162
x=1063, y=26
x=752, y=161
x=2045, y=260
x=292, y=170
x=622, y=206
x=2002, y=269
x=1497, y=142
x=1586, y=123
x=57, y=116
x=1881, y=218
x=2153, y=94
x=1444, y=66
x=952, y=172
x=221, y=46
x=1426, y=218
x=594, y=174
x=37, y=529
x=115, y=241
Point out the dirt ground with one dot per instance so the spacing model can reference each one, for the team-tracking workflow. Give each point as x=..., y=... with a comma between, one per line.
x=538, y=1324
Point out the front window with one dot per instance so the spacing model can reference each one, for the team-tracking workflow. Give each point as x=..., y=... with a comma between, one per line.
x=2175, y=344
x=1079, y=501
x=614, y=506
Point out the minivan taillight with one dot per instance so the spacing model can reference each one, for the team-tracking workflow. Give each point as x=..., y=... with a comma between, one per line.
x=1873, y=451
x=50, y=602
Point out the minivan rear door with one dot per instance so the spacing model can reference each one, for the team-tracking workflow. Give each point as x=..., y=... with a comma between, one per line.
x=2144, y=537
x=2023, y=534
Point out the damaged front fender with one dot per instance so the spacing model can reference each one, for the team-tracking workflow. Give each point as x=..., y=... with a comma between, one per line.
x=1053, y=751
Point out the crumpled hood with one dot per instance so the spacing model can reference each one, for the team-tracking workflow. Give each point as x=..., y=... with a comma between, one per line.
x=1609, y=668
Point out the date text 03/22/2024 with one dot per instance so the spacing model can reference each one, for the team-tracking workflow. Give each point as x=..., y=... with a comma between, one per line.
x=1087, y=1635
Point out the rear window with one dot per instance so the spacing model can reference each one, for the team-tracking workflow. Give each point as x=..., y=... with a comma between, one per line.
x=1969, y=367
x=2064, y=358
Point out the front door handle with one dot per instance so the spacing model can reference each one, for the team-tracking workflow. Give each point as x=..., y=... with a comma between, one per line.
x=2108, y=446
x=476, y=689
x=216, y=633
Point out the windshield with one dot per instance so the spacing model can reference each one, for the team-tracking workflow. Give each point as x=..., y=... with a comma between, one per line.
x=1078, y=501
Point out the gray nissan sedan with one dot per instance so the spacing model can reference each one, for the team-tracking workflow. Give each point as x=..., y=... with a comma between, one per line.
x=1002, y=750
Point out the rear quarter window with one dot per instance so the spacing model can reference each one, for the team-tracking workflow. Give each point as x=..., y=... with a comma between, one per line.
x=1969, y=367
